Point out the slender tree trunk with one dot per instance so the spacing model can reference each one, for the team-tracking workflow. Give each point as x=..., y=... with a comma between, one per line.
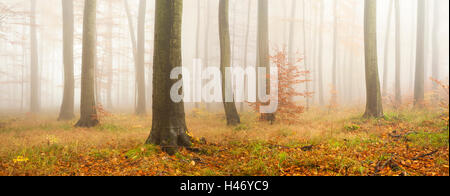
x=141, y=108
x=398, y=95
x=263, y=58
x=88, y=110
x=419, y=89
x=435, y=43
x=247, y=35
x=225, y=50
x=386, y=49
x=206, y=46
x=320, y=63
x=34, y=67
x=109, y=58
x=169, y=126
x=197, y=44
x=334, y=63
x=67, y=107
x=374, y=107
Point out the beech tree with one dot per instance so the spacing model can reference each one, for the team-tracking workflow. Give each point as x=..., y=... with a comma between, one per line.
x=169, y=126
x=225, y=49
x=34, y=62
x=374, y=107
x=419, y=84
x=140, y=60
x=67, y=106
x=88, y=109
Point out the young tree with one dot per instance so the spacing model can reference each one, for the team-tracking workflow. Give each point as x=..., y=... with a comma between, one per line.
x=34, y=62
x=140, y=60
x=67, y=107
x=386, y=49
x=419, y=89
x=320, y=58
x=398, y=95
x=225, y=49
x=247, y=35
x=88, y=109
x=262, y=53
x=435, y=43
x=169, y=126
x=374, y=107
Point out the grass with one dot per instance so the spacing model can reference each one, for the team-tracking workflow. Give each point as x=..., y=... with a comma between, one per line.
x=341, y=143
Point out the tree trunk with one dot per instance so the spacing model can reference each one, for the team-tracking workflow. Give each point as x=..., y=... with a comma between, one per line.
x=435, y=43
x=67, y=107
x=320, y=63
x=374, y=106
x=206, y=46
x=109, y=58
x=169, y=126
x=398, y=96
x=141, y=108
x=263, y=48
x=88, y=110
x=225, y=50
x=34, y=67
x=419, y=89
x=334, y=63
x=386, y=49
x=247, y=35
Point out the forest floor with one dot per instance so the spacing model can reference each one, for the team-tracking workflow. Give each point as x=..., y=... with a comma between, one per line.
x=405, y=142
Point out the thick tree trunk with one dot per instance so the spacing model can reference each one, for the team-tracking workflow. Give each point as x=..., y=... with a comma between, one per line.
x=67, y=107
x=398, y=95
x=88, y=110
x=169, y=126
x=34, y=67
x=374, y=106
x=141, y=108
x=225, y=50
x=263, y=56
x=419, y=89
x=386, y=49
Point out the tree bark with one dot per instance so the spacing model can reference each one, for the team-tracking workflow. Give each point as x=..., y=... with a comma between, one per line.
x=34, y=65
x=419, y=89
x=67, y=107
x=88, y=109
x=262, y=53
x=320, y=63
x=386, y=49
x=435, y=43
x=398, y=95
x=169, y=126
x=225, y=50
x=374, y=106
x=141, y=108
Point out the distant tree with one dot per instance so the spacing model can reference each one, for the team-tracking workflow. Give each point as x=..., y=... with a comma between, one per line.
x=140, y=61
x=263, y=57
x=398, y=95
x=247, y=35
x=225, y=49
x=374, y=107
x=386, y=49
x=435, y=42
x=169, y=126
x=34, y=62
x=333, y=101
x=67, y=106
x=88, y=109
x=320, y=55
x=419, y=84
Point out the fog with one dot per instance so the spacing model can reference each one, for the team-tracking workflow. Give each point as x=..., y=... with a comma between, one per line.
x=116, y=85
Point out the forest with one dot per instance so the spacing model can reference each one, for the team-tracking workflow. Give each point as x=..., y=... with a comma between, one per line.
x=224, y=88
